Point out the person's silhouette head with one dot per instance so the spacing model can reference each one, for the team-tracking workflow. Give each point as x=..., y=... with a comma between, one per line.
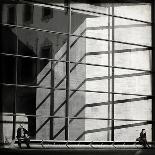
x=143, y=131
x=21, y=126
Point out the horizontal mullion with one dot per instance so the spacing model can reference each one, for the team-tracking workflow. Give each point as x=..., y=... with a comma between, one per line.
x=32, y=2
x=106, y=92
x=32, y=28
x=81, y=90
x=85, y=118
x=117, y=76
x=72, y=35
x=99, y=13
x=73, y=62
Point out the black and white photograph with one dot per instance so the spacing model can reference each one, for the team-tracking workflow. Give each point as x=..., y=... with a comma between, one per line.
x=77, y=77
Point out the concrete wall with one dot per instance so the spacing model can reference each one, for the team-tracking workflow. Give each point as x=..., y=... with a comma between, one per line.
x=137, y=82
x=77, y=100
x=97, y=104
x=126, y=81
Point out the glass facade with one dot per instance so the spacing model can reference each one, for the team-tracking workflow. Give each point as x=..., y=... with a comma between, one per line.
x=76, y=71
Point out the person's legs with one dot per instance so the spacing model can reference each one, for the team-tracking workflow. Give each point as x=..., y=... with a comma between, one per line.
x=19, y=142
x=144, y=142
x=27, y=141
x=147, y=144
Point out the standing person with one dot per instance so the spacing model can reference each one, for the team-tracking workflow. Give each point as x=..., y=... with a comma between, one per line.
x=23, y=136
x=142, y=139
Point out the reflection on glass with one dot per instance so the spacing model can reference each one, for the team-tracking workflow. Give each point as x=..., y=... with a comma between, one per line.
x=130, y=105
x=8, y=36
x=27, y=71
x=27, y=14
x=91, y=51
x=8, y=69
x=46, y=17
x=44, y=45
x=129, y=10
x=7, y=102
x=11, y=14
x=7, y=98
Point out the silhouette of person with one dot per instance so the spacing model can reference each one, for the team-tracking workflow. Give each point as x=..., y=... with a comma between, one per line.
x=23, y=136
x=142, y=139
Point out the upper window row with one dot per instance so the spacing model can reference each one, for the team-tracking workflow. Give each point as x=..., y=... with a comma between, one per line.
x=28, y=10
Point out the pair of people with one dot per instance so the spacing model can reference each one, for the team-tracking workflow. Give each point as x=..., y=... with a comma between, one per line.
x=23, y=136
x=142, y=139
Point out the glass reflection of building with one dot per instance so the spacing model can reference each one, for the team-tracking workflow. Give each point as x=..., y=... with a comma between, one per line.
x=76, y=71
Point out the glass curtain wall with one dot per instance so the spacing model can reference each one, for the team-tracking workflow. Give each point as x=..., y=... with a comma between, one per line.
x=76, y=71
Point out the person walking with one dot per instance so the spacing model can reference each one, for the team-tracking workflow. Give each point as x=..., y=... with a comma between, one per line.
x=142, y=139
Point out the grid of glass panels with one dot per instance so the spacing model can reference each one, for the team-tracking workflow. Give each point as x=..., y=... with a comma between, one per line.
x=74, y=74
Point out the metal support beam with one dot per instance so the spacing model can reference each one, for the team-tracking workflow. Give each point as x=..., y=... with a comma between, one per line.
x=109, y=80
x=16, y=83
x=52, y=99
x=153, y=69
x=113, y=90
x=68, y=76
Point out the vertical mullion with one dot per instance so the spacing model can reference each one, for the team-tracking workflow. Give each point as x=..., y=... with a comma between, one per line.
x=108, y=134
x=153, y=68
x=16, y=81
x=68, y=76
x=113, y=48
x=52, y=98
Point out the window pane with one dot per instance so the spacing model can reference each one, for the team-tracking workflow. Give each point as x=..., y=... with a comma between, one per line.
x=133, y=108
x=12, y=15
x=28, y=14
x=90, y=6
x=33, y=16
x=47, y=13
x=26, y=101
x=7, y=98
x=132, y=32
x=133, y=82
x=27, y=71
x=8, y=36
x=127, y=56
x=97, y=132
x=44, y=45
x=77, y=132
x=92, y=51
x=129, y=10
x=8, y=69
x=56, y=18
